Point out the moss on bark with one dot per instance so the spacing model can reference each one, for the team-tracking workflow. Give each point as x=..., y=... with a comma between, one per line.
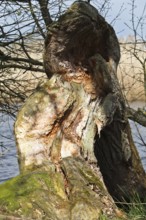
x=70, y=191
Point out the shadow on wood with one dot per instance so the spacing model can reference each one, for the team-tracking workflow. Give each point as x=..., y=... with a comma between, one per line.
x=79, y=113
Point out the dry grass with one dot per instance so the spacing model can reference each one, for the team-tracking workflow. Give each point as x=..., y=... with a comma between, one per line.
x=130, y=72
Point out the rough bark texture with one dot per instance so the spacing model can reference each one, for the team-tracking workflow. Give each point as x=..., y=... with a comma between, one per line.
x=73, y=192
x=76, y=116
x=138, y=116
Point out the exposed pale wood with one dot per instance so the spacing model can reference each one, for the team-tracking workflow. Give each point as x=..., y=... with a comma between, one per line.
x=79, y=115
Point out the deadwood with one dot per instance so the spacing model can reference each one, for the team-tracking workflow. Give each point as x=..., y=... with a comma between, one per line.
x=72, y=132
x=138, y=116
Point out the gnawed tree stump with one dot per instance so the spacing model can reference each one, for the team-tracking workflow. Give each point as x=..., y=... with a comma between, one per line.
x=73, y=122
x=72, y=192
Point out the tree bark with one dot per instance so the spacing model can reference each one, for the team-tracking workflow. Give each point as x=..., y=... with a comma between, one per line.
x=83, y=42
x=79, y=115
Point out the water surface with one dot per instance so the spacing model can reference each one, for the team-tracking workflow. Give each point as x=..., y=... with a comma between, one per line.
x=139, y=134
x=8, y=154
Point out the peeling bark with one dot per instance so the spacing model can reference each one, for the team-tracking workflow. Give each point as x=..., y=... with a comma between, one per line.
x=79, y=115
x=81, y=104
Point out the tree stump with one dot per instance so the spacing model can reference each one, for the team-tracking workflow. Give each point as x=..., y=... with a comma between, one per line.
x=73, y=129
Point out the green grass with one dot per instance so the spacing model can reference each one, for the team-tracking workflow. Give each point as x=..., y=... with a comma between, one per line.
x=135, y=209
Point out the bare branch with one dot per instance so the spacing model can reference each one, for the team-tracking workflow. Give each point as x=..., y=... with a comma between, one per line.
x=19, y=59
x=138, y=116
x=21, y=1
x=45, y=12
x=36, y=19
x=29, y=68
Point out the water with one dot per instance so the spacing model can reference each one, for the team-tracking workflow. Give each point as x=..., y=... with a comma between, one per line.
x=8, y=154
x=139, y=137
x=139, y=134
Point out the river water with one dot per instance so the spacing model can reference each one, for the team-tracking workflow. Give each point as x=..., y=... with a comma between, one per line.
x=139, y=134
x=8, y=154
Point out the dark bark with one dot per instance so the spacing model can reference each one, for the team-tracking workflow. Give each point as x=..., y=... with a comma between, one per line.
x=78, y=114
x=76, y=37
x=120, y=164
x=138, y=116
x=45, y=12
x=73, y=44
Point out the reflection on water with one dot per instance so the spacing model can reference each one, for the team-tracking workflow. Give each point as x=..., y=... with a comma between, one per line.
x=8, y=155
